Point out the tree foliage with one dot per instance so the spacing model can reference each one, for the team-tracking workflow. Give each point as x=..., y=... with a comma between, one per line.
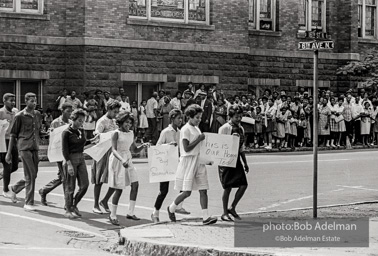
x=366, y=69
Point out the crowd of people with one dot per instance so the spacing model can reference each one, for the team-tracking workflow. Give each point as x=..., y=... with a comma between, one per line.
x=274, y=120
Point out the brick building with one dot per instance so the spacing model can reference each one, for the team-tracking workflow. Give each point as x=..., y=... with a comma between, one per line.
x=144, y=45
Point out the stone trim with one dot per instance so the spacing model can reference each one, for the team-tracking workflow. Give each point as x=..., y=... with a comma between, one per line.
x=145, y=22
x=264, y=81
x=197, y=79
x=310, y=83
x=125, y=43
x=24, y=74
x=255, y=32
x=140, y=77
x=25, y=16
x=367, y=41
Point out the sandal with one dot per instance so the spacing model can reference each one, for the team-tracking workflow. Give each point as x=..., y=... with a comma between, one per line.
x=226, y=217
x=115, y=222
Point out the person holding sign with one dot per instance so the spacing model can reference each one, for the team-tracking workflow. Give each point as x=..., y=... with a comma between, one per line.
x=169, y=136
x=122, y=172
x=8, y=113
x=74, y=166
x=105, y=124
x=58, y=122
x=191, y=173
x=234, y=177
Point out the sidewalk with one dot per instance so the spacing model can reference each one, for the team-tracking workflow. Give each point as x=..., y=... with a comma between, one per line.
x=190, y=237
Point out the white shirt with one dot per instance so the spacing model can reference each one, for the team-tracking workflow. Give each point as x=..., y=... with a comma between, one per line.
x=125, y=106
x=190, y=133
x=152, y=104
x=356, y=110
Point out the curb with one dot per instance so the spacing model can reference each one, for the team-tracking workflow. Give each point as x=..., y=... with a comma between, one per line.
x=144, y=246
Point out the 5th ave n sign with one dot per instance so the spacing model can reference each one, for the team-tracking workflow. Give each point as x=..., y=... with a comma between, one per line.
x=317, y=45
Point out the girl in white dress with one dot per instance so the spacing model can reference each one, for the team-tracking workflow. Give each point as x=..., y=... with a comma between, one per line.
x=143, y=122
x=122, y=172
x=191, y=172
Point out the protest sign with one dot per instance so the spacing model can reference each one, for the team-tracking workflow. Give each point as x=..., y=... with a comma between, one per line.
x=219, y=148
x=248, y=120
x=162, y=161
x=100, y=149
x=55, y=149
x=4, y=124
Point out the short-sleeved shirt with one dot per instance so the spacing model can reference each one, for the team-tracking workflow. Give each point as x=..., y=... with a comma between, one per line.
x=152, y=104
x=169, y=135
x=190, y=133
x=76, y=103
x=105, y=124
x=9, y=116
x=58, y=122
x=26, y=129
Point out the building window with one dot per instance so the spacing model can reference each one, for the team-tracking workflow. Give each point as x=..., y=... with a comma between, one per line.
x=367, y=18
x=22, y=6
x=312, y=15
x=262, y=14
x=20, y=88
x=181, y=11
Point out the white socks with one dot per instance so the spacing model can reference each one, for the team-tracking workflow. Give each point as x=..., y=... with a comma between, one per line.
x=113, y=210
x=172, y=207
x=205, y=214
x=156, y=213
x=131, y=207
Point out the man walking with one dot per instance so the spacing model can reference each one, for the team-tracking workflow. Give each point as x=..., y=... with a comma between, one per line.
x=8, y=113
x=26, y=131
x=58, y=122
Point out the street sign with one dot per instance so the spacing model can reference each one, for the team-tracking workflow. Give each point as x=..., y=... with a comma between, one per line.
x=317, y=45
x=317, y=35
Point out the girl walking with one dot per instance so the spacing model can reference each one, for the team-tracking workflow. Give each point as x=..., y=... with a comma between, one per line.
x=234, y=177
x=122, y=172
x=191, y=173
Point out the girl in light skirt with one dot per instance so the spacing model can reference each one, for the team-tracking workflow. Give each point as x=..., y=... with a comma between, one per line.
x=191, y=172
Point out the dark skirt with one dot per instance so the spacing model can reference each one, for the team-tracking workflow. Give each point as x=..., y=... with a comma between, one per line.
x=100, y=169
x=271, y=126
x=233, y=177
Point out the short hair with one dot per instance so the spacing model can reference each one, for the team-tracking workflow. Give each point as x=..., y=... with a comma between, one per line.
x=30, y=95
x=340, y=98
x=123, y=117
x=77, y=113
x=7, y=96
x=193, y=110
x=66, y=105
x=113, y=105
x=366, y=102
x=264, y=98
x=73, y=91
x=233, y=110
x=97, y=91
x=177, y=93
x=174, y=113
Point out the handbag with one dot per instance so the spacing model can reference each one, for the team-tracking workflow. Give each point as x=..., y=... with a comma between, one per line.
x=339, y=118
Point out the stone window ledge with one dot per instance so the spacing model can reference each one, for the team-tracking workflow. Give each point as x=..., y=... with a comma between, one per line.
x=368, y=40
x=27, y=16
x=264, y=33
x=143, y=22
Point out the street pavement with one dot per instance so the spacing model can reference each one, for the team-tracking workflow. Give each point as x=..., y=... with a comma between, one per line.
x=277, y=181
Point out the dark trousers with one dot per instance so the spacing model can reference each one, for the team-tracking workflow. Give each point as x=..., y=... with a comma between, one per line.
x=81, y=174
x=152, y=127
x=30, y=163
x=55, y=182
x=164, y=187
x=9, y=168
x=349, y=129
x=357, y=131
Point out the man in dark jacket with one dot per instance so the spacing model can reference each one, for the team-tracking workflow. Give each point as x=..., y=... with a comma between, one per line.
x=207, y=111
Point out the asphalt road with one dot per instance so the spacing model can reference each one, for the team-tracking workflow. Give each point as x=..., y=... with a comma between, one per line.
x=276, y=182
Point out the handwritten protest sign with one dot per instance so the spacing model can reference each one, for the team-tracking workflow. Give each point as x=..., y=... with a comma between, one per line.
x=54, y=151
x=162, y=161
x=221, y=149
x=100, y=149
x=4, y=124
x=248, y=120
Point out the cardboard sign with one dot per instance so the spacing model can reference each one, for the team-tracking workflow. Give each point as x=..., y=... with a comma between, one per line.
x=221, y=149
x=55, y=149
x=4, y=124
x=162, y=162
x=100, y=149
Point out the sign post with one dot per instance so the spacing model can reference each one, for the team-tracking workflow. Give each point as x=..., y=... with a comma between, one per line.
x=315, y=45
